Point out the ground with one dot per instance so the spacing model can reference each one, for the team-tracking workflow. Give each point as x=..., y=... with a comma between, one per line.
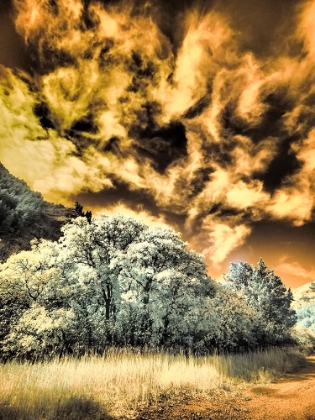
x=291, y=398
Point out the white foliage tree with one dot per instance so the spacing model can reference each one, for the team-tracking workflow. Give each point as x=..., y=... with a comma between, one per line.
x=112, y=281
x=117, y=281
x=233, y=322
x=268, y=296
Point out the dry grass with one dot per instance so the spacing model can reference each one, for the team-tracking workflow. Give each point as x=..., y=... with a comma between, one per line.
x=122, y=381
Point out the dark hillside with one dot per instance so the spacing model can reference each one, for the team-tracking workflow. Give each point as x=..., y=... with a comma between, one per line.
x=24, y=215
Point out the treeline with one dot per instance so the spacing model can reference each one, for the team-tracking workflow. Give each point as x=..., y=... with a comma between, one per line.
x=19, y=206
x=115, y=281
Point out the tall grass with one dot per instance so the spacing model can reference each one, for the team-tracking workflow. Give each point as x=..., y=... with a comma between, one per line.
x=121, y=381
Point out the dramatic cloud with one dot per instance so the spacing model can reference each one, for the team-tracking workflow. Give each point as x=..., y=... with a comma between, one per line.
x=213, y=132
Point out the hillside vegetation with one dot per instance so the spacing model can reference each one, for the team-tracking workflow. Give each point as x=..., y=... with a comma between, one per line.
x=304, y=295
x=24, y=215
x=19, y=206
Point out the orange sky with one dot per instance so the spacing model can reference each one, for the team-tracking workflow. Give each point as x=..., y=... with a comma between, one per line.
x=197, y=114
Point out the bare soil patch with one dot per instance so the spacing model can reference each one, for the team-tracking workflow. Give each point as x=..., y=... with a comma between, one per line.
x=290, y=398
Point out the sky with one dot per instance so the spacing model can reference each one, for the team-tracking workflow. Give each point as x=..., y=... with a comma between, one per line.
x=195, y=114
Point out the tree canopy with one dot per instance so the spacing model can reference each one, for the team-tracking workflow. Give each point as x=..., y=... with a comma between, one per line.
x=267, y=295
x=112, y=281
x=116, y=281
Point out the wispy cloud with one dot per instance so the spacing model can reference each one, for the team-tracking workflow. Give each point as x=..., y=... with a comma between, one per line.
x=295, y=269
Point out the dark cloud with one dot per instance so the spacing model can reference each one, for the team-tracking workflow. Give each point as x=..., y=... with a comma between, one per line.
x=201, y=177
x=199, y=107
x=277, y=104
x=163, y=145
x=41, y=110
x=12, y=49
x=284, y=164
x=120, y=193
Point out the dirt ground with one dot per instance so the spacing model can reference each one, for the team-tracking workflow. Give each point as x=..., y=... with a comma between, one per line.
x=291, y=398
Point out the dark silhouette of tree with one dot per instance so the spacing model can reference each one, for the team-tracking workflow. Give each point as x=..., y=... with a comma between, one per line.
x=79, y=210
x=88, y=216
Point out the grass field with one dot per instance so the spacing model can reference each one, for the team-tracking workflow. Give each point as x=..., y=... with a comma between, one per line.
x=122, y=381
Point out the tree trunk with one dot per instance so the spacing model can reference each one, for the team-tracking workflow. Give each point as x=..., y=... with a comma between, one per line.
x=107, y=295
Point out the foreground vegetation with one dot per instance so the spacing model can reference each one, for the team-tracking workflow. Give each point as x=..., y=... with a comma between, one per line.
x=122, y=381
